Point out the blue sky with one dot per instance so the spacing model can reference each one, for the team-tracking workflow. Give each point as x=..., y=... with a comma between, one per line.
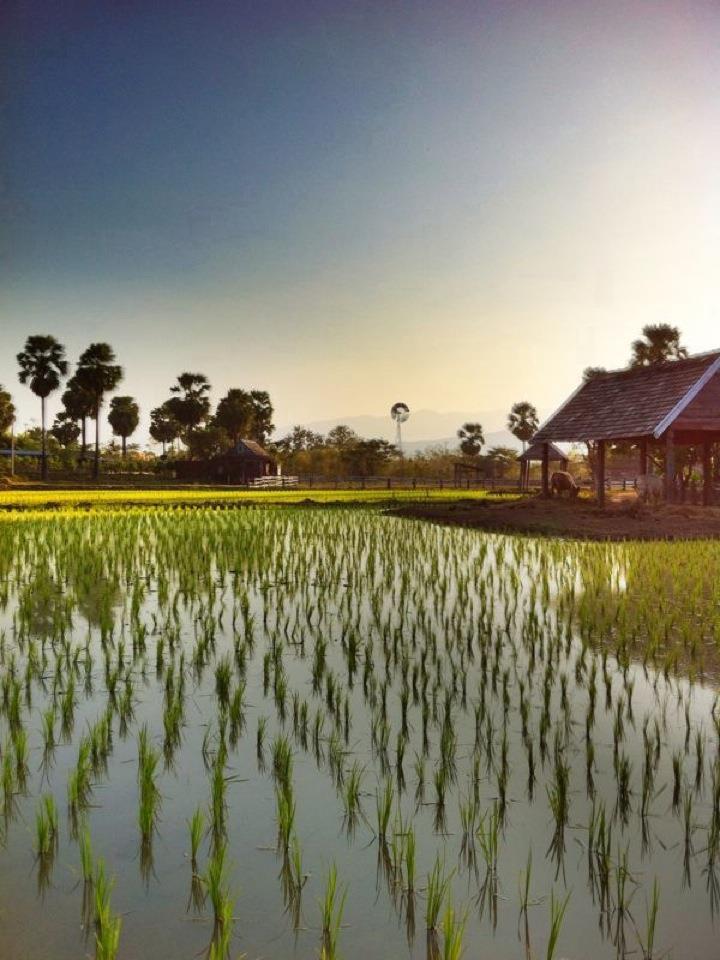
x=459, y=204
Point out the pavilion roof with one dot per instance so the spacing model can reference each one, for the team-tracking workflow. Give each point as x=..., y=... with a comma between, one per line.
x=635, y=402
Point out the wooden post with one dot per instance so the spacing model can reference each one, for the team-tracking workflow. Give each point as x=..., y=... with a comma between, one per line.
x=643, y=464
x=545, y=466
x=600, y=492
x=670, y=466
x=707, y=473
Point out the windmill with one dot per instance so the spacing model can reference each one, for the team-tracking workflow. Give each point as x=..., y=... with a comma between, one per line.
x=399, y=412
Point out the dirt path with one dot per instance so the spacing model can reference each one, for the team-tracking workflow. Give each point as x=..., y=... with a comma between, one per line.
x=622, y=519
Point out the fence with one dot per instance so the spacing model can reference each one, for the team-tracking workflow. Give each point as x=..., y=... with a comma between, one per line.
x=402, y=483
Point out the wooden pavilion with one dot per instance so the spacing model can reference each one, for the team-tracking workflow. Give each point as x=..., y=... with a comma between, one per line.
x=535, y=453
x=676, y=402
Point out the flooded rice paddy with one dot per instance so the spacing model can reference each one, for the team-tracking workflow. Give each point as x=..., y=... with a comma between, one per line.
x=291, y=733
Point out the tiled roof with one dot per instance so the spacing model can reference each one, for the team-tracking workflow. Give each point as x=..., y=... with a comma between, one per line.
x=249, y=448
x=629, y=403
x=246, y=450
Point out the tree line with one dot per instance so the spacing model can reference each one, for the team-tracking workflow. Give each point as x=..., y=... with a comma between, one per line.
x=186, y=414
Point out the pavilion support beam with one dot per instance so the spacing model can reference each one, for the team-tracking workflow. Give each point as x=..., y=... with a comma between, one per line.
x=707, y=472
x=546, y=469
x=600, y=480
x=670, y=466
x=643, y=463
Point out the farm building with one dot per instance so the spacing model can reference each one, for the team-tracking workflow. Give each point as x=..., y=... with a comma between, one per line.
x=659, y=407
x=245, y=462
x=535, y=453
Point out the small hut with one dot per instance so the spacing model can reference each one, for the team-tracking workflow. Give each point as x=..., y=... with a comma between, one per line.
x=676, y=402
x=244, y=462
x=534, y=453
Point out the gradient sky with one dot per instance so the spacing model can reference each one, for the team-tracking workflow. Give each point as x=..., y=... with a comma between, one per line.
x=348, y=203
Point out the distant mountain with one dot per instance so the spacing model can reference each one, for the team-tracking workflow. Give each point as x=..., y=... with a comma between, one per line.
x=425, y=428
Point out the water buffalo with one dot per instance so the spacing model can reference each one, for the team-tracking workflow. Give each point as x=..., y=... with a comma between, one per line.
x=563, y=482
x=649, y=486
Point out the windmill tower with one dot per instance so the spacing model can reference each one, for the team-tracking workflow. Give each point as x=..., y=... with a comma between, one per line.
x=400, y=413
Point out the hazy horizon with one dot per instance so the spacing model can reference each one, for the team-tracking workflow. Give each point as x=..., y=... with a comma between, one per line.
x=347, y=204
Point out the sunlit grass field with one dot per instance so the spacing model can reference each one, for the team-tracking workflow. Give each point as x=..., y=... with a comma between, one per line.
x=53, y=499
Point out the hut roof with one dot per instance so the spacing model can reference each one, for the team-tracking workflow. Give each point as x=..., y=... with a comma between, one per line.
x=534, y=452
x=635, y=402
x=247, y=450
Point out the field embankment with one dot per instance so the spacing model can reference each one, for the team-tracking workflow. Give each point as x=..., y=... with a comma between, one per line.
x=622, y=519
x=48, y=498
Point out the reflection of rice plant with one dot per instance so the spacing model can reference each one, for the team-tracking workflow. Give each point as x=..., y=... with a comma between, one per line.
x=488, y=834
x=647, y=942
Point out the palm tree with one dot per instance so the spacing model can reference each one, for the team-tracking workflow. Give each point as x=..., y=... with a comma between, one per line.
x=263, y=412
x=659, y=342
x=42, y=364
x=471, y=438
x=98, y=374
x=164, y=428
x=191, y=405
x=523, y=421
x=235, y=414
x=65, y=429
x=78, y=405
x=7, y=411
x=124, y=417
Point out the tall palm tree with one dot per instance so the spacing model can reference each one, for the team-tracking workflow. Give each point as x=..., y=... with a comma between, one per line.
x=124, y=417
x=98, y=374
x=523, y=421
x=471, y=439
x=191, y=403
x=78, y=405
x=42, y=365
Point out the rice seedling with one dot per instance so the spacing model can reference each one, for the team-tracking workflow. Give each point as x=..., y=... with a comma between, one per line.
x=196, y=827
x=332, y=907
x=438, y=884
x=453, y=932
x=46, y=826
x=107, y=926
x=557, y=915
x=149, y=799
x=216, y=883
x=501, y=666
